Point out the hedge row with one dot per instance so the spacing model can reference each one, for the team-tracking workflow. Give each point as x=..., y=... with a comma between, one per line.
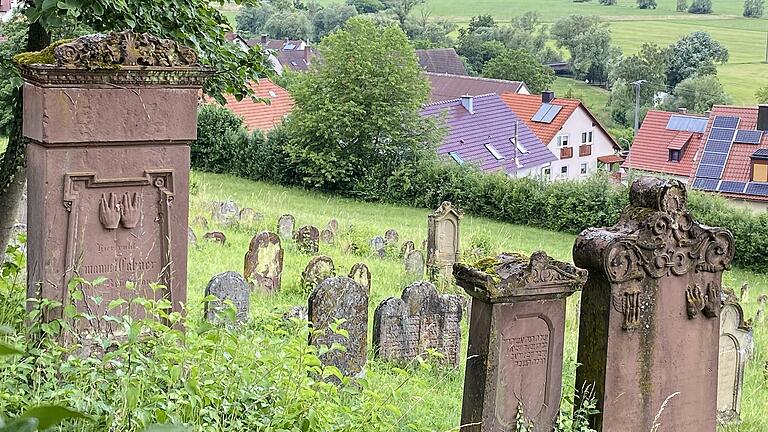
x=223, y=146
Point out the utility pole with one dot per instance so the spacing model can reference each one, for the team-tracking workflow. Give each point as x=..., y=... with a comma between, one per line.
x=637, y=85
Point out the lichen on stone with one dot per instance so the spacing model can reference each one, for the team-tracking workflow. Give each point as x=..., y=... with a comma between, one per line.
x=44, y=56
x=488, y=266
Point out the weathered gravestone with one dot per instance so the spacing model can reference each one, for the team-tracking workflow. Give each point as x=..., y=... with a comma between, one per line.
x=108, y=168
x=762, y=301
x=333, y=226
x=285, y=226
x=317, y=270
x=744, y=295
x=407, y=248
x=735, y=343
x=422, y=319
x=191, y=237
x=227, y=286
x=516, y=336
x=264, y=262
x=414, y=263
x=379, y=246
x=443, y=240
x=216, y=237
x=250, y=216
x=391, y=236
x=360, y=274
x=308, y=239
x=225, y=213
x=298, y=312
x=649, y=327
x=340, y=298
x=326, y=236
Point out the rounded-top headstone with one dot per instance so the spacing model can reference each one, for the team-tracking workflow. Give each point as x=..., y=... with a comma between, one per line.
x=263, y=263
x=317, y=270
x=285, y=225
x=361, y=274
x=225, y=213
x=227, y=286
x=391, y=236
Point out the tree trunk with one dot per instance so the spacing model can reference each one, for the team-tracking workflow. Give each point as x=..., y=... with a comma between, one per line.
x=13, y=165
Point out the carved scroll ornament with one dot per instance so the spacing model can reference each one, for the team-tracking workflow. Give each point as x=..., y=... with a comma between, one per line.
x=123, y=49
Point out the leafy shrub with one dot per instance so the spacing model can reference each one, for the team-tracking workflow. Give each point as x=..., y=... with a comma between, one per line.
x=754, y=8
x=701, y=7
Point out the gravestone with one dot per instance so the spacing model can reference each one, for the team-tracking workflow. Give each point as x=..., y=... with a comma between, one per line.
x=360, y=274
x=735, y=342
x=225, y=213
x=191, y=237
x=333, y=226
x=391, y=236
x=216, y=237
x=264, y=262
x=227, y=286
x=407, y=248
x=762, y=301
x=298, y=312
x=250, y=216
x=414, y=263
x=516, y=337
x=443, y=240
x=108, y=169
x=335, y=299
x=405, y=328
x=317, y=270
x=200, y=221
x=326, y=236
x=744, y=295
x=351, y=248
x=307, y=239
x=378, y=246
x=285, y=226
x=649, y=326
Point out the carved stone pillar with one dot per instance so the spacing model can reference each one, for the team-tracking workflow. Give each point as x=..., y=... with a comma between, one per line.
x=109, y=128
x=649, y=328
x=516, y=335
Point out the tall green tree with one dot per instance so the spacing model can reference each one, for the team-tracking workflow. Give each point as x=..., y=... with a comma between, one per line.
x=195, y=23
x=701, y=7
x=330, y=18
x=694, y=54
x=289, y=24
x=682, y=5
x=588, y=40
x=480, y=21
x=698, y=94
x=649, y=64
x=401, y=8
x=367, y=6
x=356, y=117
x=754, y=8
x=520, y=65
x=251, y=19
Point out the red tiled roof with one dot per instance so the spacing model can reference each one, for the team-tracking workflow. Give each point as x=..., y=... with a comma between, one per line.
x=650, y=149
x=259, y=115
x=609, y=159
x=526, y=106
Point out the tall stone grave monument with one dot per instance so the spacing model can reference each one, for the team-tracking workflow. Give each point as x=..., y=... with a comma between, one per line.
x=516, y=336
x=443, y=239
x=109, y=127
x=650, y=313
x=735, y=342
x=264, y=262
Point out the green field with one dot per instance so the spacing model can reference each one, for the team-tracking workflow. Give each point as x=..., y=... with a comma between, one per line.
x=430, y=400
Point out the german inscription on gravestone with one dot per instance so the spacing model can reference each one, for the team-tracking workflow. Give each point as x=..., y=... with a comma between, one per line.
x=227, y=286
x=285, y=226
x=735, y=342
x=264, y=262
x=422, y=319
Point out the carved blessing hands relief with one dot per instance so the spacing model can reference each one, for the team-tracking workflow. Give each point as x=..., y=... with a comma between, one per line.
x=126, y=211
x=131, y=211
x=109, y=211
x=694, y=301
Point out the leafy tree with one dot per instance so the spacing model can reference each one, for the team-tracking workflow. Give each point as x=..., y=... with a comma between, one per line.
x=477, y=50
x=331, y=18
x=649, y=64
x=289, y=24
x=480, y=21
x=520, y=65
x=701, y=7
x=356, y=117
x=698, y=94
x=754, y=8
x=589, y=42
x=251, y=19
x=366, y=6
x=401, y=8
x=694, y=54
x=196, y=23
x=682, y=5
x=428, y=33
x=646, y=4
x=762, y=95
x=608, y=2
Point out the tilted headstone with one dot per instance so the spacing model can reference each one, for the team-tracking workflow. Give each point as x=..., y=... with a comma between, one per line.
x=200, y=221
x=516, y=337
x=735, y=345
x=227, y=286
x=285, y=226
x=108, y=169
x=335, y=299
x=216, y=237
x=360, y=274
x=191, y=237
x=249, y=215
x=225, y=213
x=407, y=248
x=326, y=236
x=264, y=262
x=391, y=236
x=333, y=225
x=414, y=263
x=649, y=326
x=317, y=270
x=443, y=239
x=379, y=246
x=744, y=295
x=307, y=239
x=421, y=320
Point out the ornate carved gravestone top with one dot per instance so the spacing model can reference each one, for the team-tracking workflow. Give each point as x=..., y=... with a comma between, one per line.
x=227, y=286
x=317, y=270
x=285, y=226
x=516, y=336
x=650, y=311
x=264, y=262
x=308, y=239
x=735, y=345
x=422, y=319
x=443, y=239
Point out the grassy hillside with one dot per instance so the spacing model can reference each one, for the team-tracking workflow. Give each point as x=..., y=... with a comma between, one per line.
x=429, y=399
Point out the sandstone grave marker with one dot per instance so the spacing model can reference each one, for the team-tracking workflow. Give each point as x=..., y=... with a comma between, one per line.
x=317, y=270
x=414, y=263
x=391, y=236
x=216, y=237
x=308, y=239
x=251, y=216
x=333, y=225
x=225, y=213
x=378, y=246
x=326, y=235
x=227, y=286
x=735, y=342
x=443, y=239
x=285, y=226
x=407, y=248
x=360, y=274
x=264, y=262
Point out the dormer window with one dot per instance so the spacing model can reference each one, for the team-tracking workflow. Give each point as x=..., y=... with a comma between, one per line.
x=760, y=166
x=674, y=155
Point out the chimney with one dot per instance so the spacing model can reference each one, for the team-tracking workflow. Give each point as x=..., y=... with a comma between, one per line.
x=762, y=117
x=306, y=54
x=682, y=110
x=547, y=96
x=264, y=38
x=468, y=103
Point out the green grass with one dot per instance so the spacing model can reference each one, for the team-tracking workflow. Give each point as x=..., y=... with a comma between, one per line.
x=429, y=399
x=595, y=98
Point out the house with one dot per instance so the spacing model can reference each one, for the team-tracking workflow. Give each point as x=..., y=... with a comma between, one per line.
x=447, y=87
x=667, y=144
x=260, y=115
x=733, y=157
x=441, y=60
x=570, y=131
x=295, y=55
x=482, y=130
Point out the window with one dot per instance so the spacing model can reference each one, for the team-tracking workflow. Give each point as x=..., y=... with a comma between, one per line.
x=546, y=172
x=494, y=152
x=520, y=148
x=583, y=168
x=586, y=137
x=759, y=171
x=562, y=141
x=456, y=157
x=674, y=155
x=564, y=171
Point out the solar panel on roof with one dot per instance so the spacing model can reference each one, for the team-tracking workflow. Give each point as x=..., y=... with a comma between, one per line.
x=722, y=134
x=541, y=112
x=687, y=124
x=754, y=188
x=717, y=146
x=550, y=115
x=714, y=158
x=760, y=153
x=732, y=186
x=749, y=136
x=705, y=184
x=709, y=171
x=726, y=122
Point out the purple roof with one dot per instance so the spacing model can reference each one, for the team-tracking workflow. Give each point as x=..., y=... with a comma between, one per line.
x=492, y=124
